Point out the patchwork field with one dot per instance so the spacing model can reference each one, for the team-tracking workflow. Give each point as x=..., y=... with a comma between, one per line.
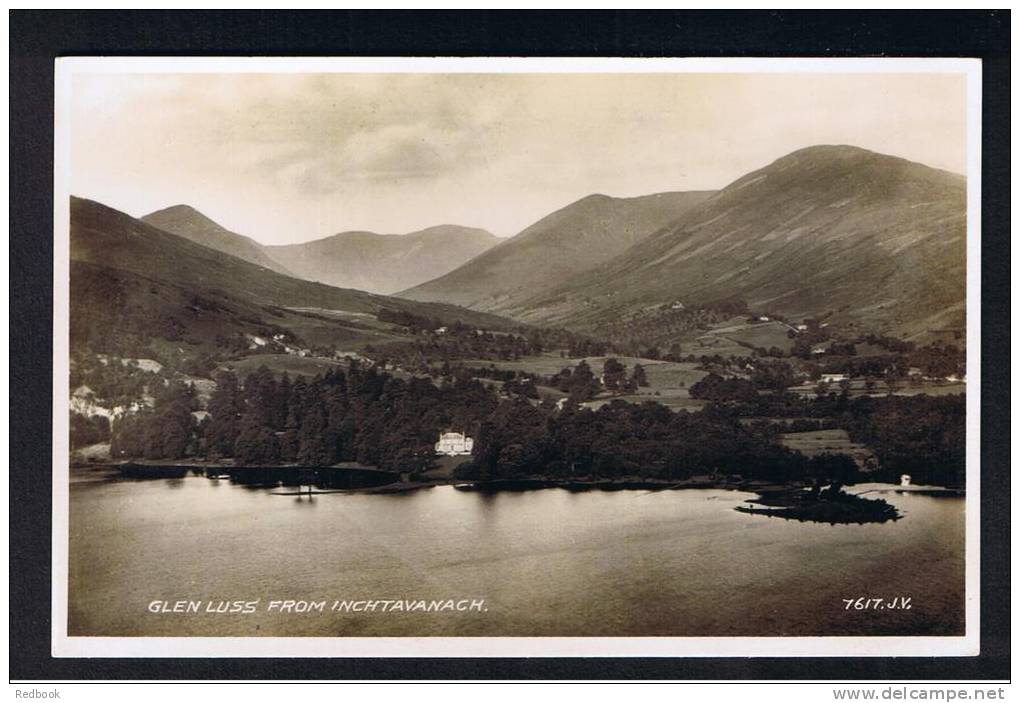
x=667, y=381
x=733, y=339
x=280, y=363
x=827, y=442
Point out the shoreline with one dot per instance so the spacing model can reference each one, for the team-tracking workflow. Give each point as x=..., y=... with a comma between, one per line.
x=538, y=482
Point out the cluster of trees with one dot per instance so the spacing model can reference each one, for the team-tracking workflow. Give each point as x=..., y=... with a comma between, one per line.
x=716, y=388
x=923, y=436
x=490, y=372
x=88, y=430
x=900, y=346
x=672, y=353
x=414, y=323
x=663, y=325
x=519, y=340
x=114, y=381
x=167, y=431
x=430, y=348
x=579, y=382
x=805, y=342
x=423, y=352
x=920, y=435
x=935, y=360
x=362, y=415
x=772, y=375
x=622, y=439
x=939, y=360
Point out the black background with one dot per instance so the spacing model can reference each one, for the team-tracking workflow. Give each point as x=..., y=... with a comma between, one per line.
x=38, y=37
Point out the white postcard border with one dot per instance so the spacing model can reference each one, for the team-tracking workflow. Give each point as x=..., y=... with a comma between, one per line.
x=63, y=645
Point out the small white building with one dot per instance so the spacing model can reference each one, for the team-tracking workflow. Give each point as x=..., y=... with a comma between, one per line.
x=834, y=377
x=905, y=480
x=454, y=444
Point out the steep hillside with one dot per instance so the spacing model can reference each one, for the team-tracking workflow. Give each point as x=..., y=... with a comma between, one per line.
x=384, y=263
x=187, y=222
x=869, y=238
x=134, y=280
x=572, y=240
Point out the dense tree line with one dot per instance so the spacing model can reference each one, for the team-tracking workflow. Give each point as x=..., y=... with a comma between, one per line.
x=88, y=430
x=920, y=435
x=622, y=439
x=923, y=436
x=579, y=382
x=370, y=417
x=114, y=381
x=715, y=387
x=167, y=431
x=362, y=415
x=442, y=345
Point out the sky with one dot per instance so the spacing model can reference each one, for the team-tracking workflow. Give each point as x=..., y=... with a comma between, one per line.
x=286, y=158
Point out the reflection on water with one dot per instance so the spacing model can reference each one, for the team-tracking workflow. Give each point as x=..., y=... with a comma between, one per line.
x=548, y=562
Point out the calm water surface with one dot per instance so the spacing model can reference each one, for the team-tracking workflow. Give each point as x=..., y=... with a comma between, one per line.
x=548, y=562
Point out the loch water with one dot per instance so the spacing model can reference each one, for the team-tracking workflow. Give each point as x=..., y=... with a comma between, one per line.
x=545, y=563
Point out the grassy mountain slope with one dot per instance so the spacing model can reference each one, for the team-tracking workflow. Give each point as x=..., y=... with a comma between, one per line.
x=133, y=279
x=869, y=238
x=187, y=222
x=384, y=263
x=574, y=239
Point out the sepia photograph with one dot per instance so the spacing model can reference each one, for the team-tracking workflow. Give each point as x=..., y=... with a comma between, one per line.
x=461, y=357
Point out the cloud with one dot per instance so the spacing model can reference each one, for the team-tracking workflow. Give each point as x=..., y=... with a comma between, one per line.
x=321, y=133
x=284, y=157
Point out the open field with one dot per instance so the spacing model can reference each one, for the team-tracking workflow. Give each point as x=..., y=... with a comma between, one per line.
x=667, y=381
x=672, y=398
x=660, y=373
x=339, y=328
x=280, y=363
x=731, y=339
x=827, y=442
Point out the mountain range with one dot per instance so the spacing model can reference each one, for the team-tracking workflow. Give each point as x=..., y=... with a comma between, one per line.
x=185, y=221
x=376, y=263
x=130, y=278
x=863, y=237
x=572, y=240
x=858, y=237
x=383, y=263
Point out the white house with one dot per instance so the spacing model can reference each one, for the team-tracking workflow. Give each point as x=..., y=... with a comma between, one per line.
x=834, y=377
x=454, y=444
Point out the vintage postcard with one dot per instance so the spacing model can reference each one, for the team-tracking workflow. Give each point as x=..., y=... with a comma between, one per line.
x=516, y=357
